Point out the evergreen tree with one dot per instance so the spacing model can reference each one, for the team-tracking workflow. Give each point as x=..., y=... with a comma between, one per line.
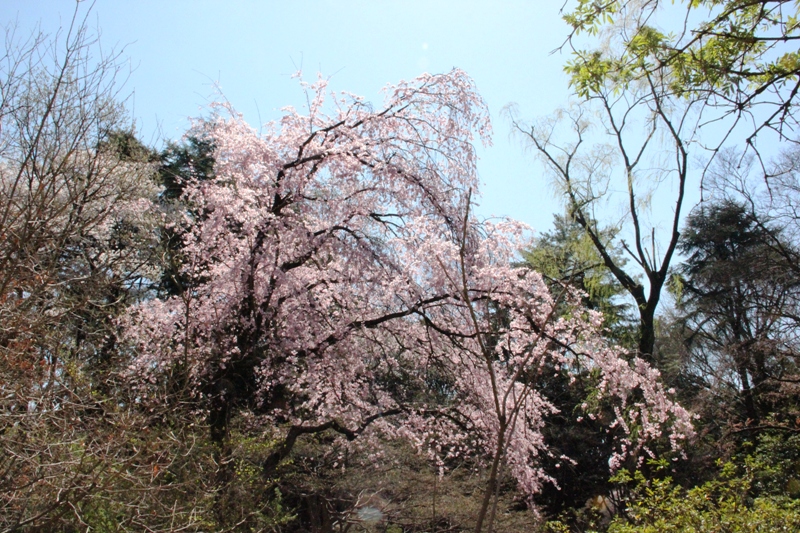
x=740, y=302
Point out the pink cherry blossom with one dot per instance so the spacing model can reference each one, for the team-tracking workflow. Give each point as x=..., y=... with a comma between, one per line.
x=340, y=281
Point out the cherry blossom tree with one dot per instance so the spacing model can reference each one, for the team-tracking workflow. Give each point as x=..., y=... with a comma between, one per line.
x=338, y=281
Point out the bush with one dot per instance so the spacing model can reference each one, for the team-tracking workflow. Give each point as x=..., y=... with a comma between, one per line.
x=737, y=501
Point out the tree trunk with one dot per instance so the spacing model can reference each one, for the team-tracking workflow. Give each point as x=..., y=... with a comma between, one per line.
x=647, y=332
x=491, y=483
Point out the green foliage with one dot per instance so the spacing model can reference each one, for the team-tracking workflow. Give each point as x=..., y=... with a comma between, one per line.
x=754, y=492
x=724, y=504
x=589, y=15
x=566, y=254
x=738, y=299
x=735, y=53
x=180, y=164
x=126, y=146
x=775, y=465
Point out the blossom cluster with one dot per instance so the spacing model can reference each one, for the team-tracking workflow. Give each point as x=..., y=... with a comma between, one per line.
x=338, y=275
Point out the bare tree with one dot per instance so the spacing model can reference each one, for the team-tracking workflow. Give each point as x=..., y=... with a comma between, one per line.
x=638, y=149
x=75, y=233
x=668, y=87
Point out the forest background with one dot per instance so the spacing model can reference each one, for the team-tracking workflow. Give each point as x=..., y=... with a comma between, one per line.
x=319, y=325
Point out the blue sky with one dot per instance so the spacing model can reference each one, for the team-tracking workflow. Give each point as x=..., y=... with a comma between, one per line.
x=179, y=49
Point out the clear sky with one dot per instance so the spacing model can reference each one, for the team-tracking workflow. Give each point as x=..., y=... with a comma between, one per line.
x=180, y=48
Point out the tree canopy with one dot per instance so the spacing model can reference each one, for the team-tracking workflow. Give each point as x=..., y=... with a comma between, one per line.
x=736, y=56
x=308, y=328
